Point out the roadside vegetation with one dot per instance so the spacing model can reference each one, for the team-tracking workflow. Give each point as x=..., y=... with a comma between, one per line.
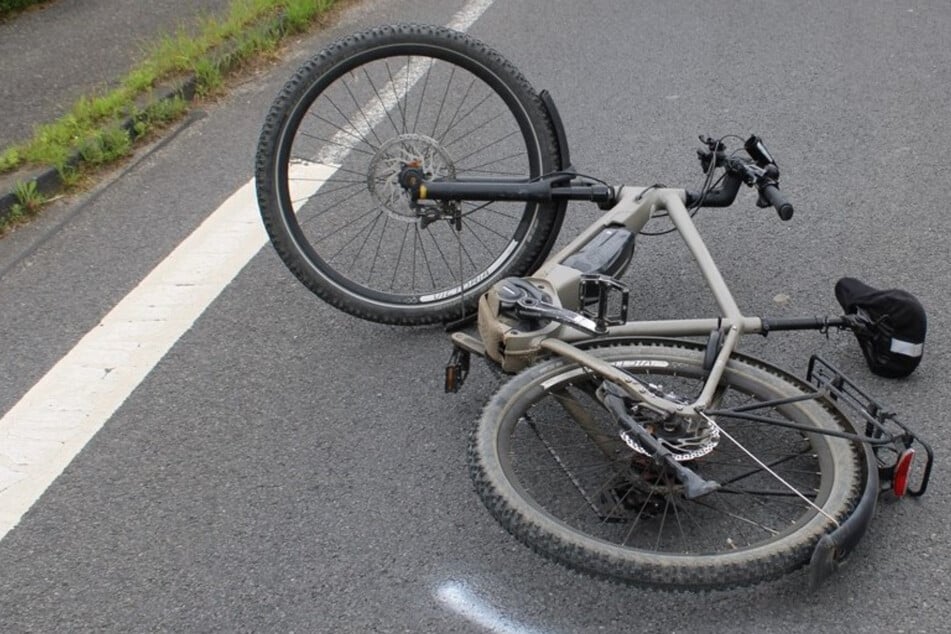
x=101, y=129
x=9, y=8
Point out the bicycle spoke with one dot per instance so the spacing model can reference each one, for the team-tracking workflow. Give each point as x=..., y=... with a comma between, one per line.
x=352, y=148
x=489, y=208
x=397, y=98
x=299, y=202
x=466, y=115
x=366, y=239
x=399, y=256
x=653, y=513
x=422, y=250
x=776, y=475
x=489, y=229
x=440, y=251
x=663, y=519
x=465, y=250
x=637, y=518
x=494, y=161
x=358, y=122
x=383, y=106
x=487, y=146
x=318, y=214
x=740, y=518
x=375, y=216
x=422, y=96
x=355, y=134
x=348, y=170
x=468, y=133
x=442, y=103
x=479, y=239
x=356, y=102
x=452, y=119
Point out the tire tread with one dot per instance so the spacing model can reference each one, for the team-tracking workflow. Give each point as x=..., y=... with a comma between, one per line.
x=548, y=221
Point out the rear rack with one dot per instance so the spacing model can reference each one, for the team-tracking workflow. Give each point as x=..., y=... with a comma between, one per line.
x=881, y=424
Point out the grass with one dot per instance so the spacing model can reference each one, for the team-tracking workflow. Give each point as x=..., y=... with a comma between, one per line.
x=103, y=128
x=9, y=8
x=29, y=200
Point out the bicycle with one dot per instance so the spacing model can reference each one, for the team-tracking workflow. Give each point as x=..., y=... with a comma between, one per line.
x=409, y=174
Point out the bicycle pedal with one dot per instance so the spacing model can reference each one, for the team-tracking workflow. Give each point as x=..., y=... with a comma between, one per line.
x=457, y=369
x=604, y=300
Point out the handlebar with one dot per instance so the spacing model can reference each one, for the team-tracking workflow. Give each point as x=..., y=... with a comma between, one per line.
x=757, y=170
x=775, y=198
x=760, y=171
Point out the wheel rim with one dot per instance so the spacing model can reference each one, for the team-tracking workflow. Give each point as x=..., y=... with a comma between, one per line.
x=625, y=504
x=336, y=179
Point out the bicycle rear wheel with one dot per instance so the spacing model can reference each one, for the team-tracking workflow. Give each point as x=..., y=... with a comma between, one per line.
x=336, y=138
x=549, y=463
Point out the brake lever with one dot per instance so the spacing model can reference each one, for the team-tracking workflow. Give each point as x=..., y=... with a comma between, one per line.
x=755, y=147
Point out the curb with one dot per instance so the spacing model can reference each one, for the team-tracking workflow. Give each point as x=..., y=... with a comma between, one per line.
x=49, y=180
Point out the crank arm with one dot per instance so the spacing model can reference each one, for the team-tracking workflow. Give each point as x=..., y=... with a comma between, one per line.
x=521, y=298
x=533, y=309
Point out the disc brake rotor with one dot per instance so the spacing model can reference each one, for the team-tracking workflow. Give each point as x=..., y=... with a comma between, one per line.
x=417, y=150
x=687, y=440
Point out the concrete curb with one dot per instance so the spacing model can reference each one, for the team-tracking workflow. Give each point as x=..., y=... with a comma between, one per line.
x=49, y=180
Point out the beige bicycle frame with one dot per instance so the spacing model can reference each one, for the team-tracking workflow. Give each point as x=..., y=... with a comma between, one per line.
x=514, y=349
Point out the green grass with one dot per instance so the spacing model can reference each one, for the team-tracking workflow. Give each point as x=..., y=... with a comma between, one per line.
x=29, y=200
x=93, y=128
x=8, y=8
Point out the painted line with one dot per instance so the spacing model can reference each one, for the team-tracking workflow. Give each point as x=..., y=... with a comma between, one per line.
x=394, y=90
x=468, y=14
x=49, y=426
x=467, y=604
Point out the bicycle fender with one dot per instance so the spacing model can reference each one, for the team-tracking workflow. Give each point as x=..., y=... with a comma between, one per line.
x=834, y=547
x=561, y=138
x=564, y=164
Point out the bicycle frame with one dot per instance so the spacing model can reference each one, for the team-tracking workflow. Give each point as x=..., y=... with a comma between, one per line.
x=514, y=349
x=513, y=346
x=503, y=341
x=627, y=399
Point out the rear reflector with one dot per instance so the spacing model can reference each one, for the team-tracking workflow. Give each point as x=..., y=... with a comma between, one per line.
x=902, y=472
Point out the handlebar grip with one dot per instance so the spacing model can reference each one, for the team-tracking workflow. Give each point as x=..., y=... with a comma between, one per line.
x=772, y=194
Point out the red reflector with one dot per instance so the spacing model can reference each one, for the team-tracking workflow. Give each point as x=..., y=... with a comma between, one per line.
x=902, y=471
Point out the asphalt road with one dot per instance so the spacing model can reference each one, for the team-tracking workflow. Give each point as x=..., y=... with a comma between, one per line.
x=55, y=53
x=288, y=468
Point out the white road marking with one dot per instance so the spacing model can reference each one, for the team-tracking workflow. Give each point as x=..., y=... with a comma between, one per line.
x=468, y=14
x=49, y=426
x=467, y=604
x=394, y=90
x=45, y=430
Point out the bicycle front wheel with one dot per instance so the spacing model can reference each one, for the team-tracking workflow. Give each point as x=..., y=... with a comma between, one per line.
x=336, y=139
x=550, y=464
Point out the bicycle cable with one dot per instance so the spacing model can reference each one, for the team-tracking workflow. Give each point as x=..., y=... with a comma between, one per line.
x=693, y=210
x=708, y=185
x=566, y=173
x=766, y=468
